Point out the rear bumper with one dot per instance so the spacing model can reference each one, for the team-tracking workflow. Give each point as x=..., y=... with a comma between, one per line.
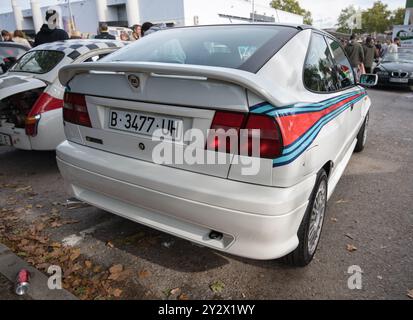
x=18, y=136
x=258, y=222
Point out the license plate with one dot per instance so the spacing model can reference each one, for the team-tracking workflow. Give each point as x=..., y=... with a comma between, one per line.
x=146, y=124
x=5, y=140
x=399, y=80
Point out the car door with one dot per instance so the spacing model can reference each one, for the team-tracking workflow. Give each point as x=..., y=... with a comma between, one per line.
x=347, y=83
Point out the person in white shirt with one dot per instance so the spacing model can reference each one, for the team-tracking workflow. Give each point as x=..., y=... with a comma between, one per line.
x=394, y=47
x=19, y=37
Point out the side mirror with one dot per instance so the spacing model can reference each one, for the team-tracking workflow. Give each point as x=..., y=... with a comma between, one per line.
x=368, y=80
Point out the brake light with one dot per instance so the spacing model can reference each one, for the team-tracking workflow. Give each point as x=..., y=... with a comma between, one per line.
x=75, y=109
x=270, y=136
x=44, y=103
x=227, y=126
x=231, y=123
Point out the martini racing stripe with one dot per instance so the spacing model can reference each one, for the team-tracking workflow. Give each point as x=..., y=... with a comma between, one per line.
x=294, y=151
x=305, y=121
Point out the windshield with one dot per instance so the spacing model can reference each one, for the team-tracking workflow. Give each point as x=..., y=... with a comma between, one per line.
x=38, y=61
x=245, y=47
x=401, y=57
x=6, y=52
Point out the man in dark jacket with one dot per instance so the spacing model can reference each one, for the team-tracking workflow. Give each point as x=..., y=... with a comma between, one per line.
x=49, y=31
x=370, y=53
x=355, y=53
x=104, y=33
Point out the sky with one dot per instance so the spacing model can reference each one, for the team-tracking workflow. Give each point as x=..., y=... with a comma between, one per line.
x=325, y=12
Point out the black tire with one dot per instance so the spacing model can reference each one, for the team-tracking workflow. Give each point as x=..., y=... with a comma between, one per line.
x=302, y=256
x=362, y=135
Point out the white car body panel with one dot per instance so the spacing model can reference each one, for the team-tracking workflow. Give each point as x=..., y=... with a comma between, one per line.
x=258, y=215
x=12, y=83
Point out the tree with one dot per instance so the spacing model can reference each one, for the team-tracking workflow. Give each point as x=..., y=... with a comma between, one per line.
x=345, y=19
x=377, y=18
x=398, y=16
x=294, y=7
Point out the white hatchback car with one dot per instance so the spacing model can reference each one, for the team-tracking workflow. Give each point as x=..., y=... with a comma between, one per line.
x=293, y=84
x=31, y=96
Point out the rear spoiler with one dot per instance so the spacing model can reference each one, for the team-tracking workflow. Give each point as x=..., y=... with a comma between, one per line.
x=245, y=79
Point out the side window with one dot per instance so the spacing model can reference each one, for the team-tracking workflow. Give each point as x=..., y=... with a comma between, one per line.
x=343, y=67
x=319, y=73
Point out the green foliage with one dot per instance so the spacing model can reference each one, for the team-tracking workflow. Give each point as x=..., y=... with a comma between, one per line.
x=294, y=7
x=378, y=18
x=398, y=16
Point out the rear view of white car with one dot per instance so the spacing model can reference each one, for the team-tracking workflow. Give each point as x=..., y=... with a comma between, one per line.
x=31, y=96
x=232, y=137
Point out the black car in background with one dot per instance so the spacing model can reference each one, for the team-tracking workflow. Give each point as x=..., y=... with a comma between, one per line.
x=396, y=69
x=9, y=53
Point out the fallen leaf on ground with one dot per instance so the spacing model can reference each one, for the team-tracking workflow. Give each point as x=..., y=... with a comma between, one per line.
x=410, y=294
x=183, y=296
x=144, y=274
x=341, y=201
x=75, y=254
x=110, y=244
x=55, y=224
x=334, y=219
x=88, y=264
x=23, y=189
x=117, y=268
x=175, y=291
x=217, y=286
x=117, y=293
x=351, y=248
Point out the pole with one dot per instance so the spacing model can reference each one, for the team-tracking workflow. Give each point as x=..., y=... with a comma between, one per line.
x=253, y=11
x=71, y=22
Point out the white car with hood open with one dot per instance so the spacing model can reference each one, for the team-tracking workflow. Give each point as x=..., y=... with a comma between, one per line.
x=294, y=84
x=31, y=96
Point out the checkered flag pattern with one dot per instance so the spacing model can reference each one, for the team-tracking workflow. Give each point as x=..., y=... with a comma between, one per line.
x=76, y=48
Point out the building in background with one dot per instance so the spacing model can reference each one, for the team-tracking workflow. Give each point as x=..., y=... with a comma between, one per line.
x=87, y=14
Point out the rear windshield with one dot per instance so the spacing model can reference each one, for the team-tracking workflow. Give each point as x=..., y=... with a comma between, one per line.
x=246, y=47
x=38, y=61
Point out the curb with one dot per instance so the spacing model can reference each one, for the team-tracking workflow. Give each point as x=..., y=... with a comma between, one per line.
x=10, y=264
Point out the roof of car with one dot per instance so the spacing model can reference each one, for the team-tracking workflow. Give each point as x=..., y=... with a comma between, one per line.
x=13, y=44
x=77, y=47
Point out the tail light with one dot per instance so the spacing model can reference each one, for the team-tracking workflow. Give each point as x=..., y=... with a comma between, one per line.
x=227, y=126
x=44, y=103
x=270, y=145
x=75, y=109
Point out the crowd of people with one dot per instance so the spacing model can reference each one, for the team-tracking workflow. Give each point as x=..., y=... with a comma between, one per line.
x=50, y=32
x=363, y=55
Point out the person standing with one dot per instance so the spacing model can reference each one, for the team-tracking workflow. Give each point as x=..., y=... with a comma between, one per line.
x=104, y=33
x=370, y=54
x=394, y=47
x=20, y=37
x=355, y=53
x=6, y=36
x=49, y=32
x=137, y=31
